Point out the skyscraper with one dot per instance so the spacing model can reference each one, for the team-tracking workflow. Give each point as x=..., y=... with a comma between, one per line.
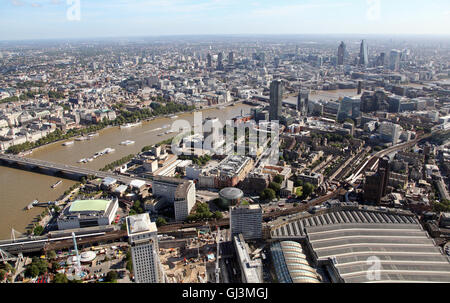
x=143, y=239
x=341, y=53
x=302, y=102
x=364, y=54
x=209, y=60
x=231, y=58
x=375, y=185
x=394, y=60
x=220, y=61
x=276, y=99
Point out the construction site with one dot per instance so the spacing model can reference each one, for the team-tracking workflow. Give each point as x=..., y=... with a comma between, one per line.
x=187, y=260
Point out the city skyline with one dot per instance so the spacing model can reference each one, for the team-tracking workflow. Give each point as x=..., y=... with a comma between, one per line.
x=56, y=19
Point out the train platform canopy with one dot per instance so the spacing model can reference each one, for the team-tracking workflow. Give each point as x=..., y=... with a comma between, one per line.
x=353, y=240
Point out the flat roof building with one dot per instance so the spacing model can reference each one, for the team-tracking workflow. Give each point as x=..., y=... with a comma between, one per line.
x=181, y=193
x=251, y=270
x=88, y=213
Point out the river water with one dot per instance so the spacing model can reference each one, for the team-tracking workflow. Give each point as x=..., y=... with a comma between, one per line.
x=19, y=188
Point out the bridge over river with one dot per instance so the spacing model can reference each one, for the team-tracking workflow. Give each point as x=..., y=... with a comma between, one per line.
x=71, y=172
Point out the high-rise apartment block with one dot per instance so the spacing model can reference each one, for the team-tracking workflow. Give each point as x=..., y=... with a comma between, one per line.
x=143, y=239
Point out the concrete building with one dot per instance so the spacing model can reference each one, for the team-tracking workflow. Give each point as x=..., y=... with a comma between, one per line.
x=390, y=132
x=143, y=239
x=88, y=213
x=246, y=220
x=180, y=193
x=251, y=270
x=302, y=102
x=184, y=200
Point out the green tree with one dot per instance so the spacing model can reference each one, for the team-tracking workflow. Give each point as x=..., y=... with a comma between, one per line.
x=299, y=192
x=32, y=271
x=51, y=255
x=38, y=230
x=161, y=221
x=2, y=274
x=308, y=189
x=218, y=215
x=55, y=266
x=111, y=276
x=275, y=186
x=278, y=179
x=130, y=266
x=268, y=194
x=60, y=278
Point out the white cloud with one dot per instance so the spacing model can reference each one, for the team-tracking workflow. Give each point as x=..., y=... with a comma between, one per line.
x=17, y=2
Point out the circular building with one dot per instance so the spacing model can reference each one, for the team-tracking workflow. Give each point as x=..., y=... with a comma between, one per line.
x=85, y=257
x=230, y=196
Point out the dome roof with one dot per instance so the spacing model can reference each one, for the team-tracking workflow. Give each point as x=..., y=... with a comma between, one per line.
x=231, y=193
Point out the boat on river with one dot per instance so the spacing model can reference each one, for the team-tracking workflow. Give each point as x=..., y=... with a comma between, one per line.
x=130, y=125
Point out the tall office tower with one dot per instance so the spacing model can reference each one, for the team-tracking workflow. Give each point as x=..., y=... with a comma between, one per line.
x=341, y=53
x=364, y=54
x=209, y=60
x=231, y=58
x=375, y=185
x=302, y=102
x=246, y=220
x=143, y=239
x=394, y=60
x=276, y=62
x=276, y=100
x=381, y=59
x=220, y=61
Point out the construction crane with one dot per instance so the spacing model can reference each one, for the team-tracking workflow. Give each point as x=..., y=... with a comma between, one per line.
x=218, y=256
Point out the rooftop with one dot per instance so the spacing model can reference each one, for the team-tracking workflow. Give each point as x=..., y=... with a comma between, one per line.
x=89, y=205
x=349, y=236
x=140, y=223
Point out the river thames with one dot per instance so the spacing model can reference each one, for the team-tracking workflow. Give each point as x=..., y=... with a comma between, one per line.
x=19, y=187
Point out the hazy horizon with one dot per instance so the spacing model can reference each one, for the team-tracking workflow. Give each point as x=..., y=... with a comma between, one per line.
x=58, y=19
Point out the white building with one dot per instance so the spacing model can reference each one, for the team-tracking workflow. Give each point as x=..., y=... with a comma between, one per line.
x=184, y=200
x=177, y=191
x=143, y=239
x=251, y=270
x=88, y=213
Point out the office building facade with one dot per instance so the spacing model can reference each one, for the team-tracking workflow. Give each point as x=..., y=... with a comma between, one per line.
x=364, y=54
x=302, y=102
x=246, y=220
x=143, y=239
x=341, y=53
x=276, y=100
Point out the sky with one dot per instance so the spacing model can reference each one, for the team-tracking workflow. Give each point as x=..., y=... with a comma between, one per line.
x=61, y=19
